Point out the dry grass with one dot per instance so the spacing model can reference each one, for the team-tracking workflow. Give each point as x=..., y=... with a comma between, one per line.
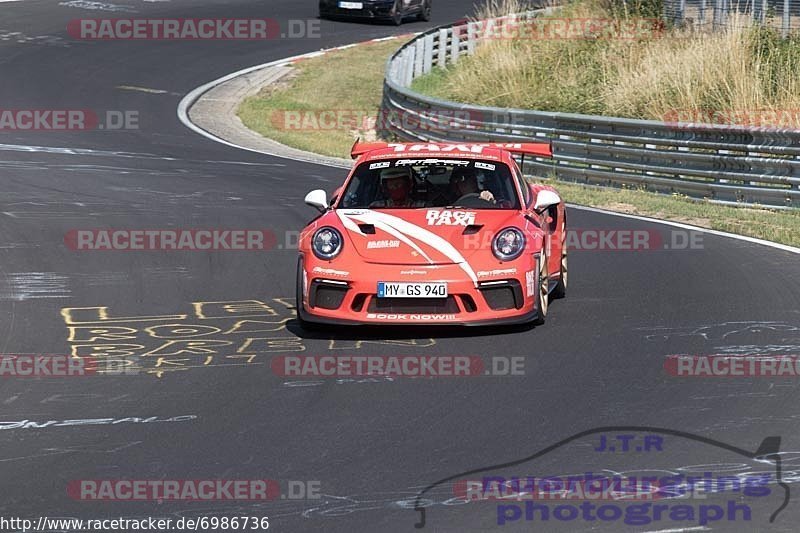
x=725, y=76
x=347, y=82
x=782, y=226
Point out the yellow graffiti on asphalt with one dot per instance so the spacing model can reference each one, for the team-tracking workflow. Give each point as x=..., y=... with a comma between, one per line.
x=213, y=334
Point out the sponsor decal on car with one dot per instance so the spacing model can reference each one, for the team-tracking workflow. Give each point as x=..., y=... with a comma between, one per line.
x=496, y=272
x=330, y=271
x=450, y=218
x=415, y=162
x=530, y=282
x=401, y=316
x=371, y=245
x=463, y=148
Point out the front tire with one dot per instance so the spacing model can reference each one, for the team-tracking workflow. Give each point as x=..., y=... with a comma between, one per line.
x=304, y=324
x=560, y=291
x=397, y=15
x=425, y=15
x=542, y=296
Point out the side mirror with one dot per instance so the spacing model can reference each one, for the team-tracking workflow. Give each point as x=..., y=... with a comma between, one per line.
x=545, y=200
x=317, y=199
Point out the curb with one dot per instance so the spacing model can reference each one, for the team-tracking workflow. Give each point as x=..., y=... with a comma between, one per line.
x=210, y=109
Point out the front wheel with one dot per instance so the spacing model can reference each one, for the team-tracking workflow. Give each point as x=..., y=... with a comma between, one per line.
x=425, y=15
x=542, y=296
x=304, y=324
x=397, y=13
x=560, y=290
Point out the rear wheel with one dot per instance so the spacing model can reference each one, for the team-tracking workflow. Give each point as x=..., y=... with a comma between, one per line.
x=542, y=296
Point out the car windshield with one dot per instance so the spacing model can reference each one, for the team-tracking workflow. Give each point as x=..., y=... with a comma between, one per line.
x=416, y=183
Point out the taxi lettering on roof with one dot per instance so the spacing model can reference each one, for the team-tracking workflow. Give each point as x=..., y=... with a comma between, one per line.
x=459, y=148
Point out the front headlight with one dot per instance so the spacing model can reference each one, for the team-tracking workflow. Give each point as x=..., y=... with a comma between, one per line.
x=327, y=243
x=508, y=244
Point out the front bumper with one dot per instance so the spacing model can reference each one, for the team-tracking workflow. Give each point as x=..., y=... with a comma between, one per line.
x=371, y=10
x=334, y=297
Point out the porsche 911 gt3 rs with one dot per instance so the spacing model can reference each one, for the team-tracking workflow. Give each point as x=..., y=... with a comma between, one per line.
x=433, y=233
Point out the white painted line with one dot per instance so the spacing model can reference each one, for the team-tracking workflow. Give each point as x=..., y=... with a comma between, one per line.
x=191, y=98
x=140, y=89
x=784, y=247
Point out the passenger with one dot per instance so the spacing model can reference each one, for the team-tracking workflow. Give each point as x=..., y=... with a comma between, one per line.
x=396, y=185
x=464, y=186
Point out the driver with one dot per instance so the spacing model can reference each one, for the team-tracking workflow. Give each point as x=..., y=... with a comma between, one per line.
x=464, y=184
x=396, y=184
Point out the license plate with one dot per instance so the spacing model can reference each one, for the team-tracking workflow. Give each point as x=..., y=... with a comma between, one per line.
x=412, y=290
x=351, y=5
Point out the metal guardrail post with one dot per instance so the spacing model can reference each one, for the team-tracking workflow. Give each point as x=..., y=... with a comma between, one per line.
x=455, y=44
x=716, y=17
x=786, y=25
x=419, y=58
x=442, y=59
x=409, y=68
x=427, y=62
x=472, y=37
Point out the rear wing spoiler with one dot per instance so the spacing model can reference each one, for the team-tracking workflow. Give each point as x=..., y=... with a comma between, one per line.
x=360, y=148
x=541, y=149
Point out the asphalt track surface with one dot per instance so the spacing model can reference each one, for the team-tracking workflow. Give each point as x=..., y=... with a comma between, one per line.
x=372, y=444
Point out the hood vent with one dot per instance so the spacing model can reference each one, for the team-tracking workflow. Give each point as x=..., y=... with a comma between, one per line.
x=472, y=229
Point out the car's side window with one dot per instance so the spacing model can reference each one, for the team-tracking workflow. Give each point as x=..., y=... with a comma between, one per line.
x=523, y=185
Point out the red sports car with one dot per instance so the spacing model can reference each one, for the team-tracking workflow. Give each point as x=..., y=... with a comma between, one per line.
x=433, y=233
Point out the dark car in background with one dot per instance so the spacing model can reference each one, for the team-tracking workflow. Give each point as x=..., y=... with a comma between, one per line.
x=395, y=11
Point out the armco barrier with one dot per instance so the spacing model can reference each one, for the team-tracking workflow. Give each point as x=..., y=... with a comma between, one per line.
x=719, y=162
